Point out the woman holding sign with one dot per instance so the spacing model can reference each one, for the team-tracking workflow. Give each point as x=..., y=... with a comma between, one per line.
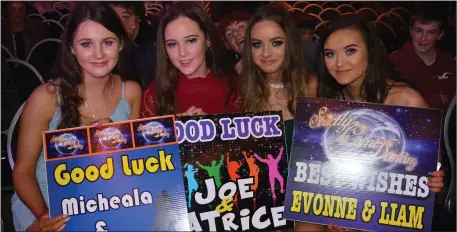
x=92, y=88
x=274, y=73
x=192, y=75
x=353, y=65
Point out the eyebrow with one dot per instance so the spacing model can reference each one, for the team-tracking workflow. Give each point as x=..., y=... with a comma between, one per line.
x=350, y=45
x=87, y=39
x=166, y=41
x=275, y=38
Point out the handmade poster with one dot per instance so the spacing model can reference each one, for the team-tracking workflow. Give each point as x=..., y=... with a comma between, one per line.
x=235, y=171
x=117, y=177
x=362, y=166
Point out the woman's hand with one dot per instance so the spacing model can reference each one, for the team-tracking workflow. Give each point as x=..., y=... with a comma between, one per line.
x=44, y=223
x=192, y=111
x=435, y=181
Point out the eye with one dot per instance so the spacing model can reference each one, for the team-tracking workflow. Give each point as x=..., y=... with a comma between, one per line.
x=418, y=30
x=256, y=44
x=192, y=40
x=277, y=43
x=228, y=35
x=329, y=54
x=242, y=26
x=108, y=42
x=432, y=32
x=171, y=44
x=85, y=44
x=350, y=51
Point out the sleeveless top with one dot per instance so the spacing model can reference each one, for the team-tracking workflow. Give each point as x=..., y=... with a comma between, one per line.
x=22, y=216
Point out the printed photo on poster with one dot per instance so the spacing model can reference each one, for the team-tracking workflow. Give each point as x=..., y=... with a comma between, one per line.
x=121, y=189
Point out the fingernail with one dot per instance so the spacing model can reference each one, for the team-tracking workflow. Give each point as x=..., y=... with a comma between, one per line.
x=67, y=219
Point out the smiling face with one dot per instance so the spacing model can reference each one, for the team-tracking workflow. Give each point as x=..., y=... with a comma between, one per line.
x=96, y=49
x=268, y=46
x=425, y=36
x=234, y=35
x=185, y=44
x=346, y=56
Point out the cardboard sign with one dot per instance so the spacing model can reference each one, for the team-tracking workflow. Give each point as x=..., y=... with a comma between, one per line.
x=120, y=176
x=362, y=166
x=235, y=171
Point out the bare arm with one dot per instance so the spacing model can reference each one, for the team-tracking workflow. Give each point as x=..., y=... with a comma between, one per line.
x=228, y=158
x=133, y=97
x=35, y=119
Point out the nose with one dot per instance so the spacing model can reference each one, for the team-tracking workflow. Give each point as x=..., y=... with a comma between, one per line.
x=423, y=37
x=183, y=50
x=266, y=51
x=132, y=25
x=99, y=52
x=339, y=61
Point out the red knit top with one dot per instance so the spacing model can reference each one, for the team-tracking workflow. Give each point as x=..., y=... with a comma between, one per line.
x=208, y=93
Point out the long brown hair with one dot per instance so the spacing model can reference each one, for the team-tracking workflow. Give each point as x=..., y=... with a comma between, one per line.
x=255, y=89
x=69, y=69
x=167, y=75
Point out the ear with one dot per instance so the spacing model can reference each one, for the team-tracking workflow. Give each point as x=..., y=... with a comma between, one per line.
x=122, y=45
x=72, y=51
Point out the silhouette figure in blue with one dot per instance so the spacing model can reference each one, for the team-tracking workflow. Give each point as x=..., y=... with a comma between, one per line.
x=191, y=182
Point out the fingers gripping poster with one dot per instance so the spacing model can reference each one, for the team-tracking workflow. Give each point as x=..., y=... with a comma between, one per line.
x=235, y=171
x=362, y=166
x=117, y=177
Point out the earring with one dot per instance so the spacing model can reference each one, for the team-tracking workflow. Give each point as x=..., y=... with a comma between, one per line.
x=208, y=47
x=120, y=49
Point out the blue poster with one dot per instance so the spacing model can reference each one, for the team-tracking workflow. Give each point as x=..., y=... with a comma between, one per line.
x=117, y=177
x=362, y=166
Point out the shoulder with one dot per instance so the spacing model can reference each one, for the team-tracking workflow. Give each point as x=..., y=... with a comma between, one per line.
x=312, y=85
x=132, y=90
x=397, y=55
x=39, y=99
x=401, y=94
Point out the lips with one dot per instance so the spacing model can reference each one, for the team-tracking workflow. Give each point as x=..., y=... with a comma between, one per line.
x=268, y=62
x=185, y=62
x=342, y=71
x=99, y=64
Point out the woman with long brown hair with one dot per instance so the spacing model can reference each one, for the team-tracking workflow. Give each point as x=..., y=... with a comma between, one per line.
x=92, y=87
x=274, y=71
x=192, y=74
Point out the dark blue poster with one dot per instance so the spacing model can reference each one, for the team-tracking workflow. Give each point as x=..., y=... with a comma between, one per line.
x=362, y=166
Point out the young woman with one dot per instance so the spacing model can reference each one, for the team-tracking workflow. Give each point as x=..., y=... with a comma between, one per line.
x=91, y=88
x=192, y=74
x=353, y=65
x=273, y=73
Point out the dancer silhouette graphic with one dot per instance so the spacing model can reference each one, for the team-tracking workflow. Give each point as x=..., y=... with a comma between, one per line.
x=214, y=170
x=191, y=182
x=273, y=172
x=233, y=167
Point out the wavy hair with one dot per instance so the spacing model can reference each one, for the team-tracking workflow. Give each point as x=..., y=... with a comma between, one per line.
x=68, y=69
x=255, y=89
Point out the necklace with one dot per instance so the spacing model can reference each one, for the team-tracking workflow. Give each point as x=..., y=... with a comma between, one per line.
x=276, y=86
x=109, y=98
